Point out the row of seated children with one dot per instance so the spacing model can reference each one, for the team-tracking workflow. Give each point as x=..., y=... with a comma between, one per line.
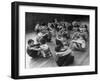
x=77, y=38
x=78, y=35
x=75, y=30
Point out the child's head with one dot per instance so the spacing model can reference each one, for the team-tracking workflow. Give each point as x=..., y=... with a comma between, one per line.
x=75, y=28
x=75, y=25
x=30, y=42
x=42, y=41
x=76, y=37
x=59, y=36
x=83, y=28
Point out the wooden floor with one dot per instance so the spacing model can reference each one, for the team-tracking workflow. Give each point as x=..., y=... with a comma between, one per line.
x=81, y=57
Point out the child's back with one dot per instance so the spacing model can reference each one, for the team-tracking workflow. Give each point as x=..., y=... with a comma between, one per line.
x=32, y=49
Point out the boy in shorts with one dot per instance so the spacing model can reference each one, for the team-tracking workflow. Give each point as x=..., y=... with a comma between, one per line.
x=33, y=50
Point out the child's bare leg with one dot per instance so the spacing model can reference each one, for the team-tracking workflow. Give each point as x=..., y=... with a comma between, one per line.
x=44, y=55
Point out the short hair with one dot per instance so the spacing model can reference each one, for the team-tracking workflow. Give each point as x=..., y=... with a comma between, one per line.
x=42, y=41
x=30, y=41
x=70, y=27
x=76, y=24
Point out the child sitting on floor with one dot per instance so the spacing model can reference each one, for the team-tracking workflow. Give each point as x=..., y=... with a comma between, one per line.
x=33, y=50
x=65, y=57
x=78, y=43
x=64, y=53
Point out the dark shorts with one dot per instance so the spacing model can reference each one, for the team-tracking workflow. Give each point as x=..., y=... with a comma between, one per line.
x=65, y=60
x=32, y=53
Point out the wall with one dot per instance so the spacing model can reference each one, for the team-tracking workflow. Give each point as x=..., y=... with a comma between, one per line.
x=33, y=18
x=5, y=41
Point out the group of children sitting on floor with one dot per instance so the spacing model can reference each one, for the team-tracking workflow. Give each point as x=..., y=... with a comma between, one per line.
x=68, y=36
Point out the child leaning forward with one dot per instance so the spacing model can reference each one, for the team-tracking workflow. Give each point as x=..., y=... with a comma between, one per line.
x=65, y=57
x=33, y=50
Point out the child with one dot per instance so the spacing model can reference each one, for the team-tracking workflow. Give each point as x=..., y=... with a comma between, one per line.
x=66, y=38
x=84, y=32
x=45, y=50
x=47, y=36
x=33, y=50
x=78, y=42
x=65, y=57
x=59, y=43
x=64, y=53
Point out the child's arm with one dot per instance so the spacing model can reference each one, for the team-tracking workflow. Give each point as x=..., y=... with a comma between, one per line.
x=33, y=48
x=43, y=53
x=64, y=53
